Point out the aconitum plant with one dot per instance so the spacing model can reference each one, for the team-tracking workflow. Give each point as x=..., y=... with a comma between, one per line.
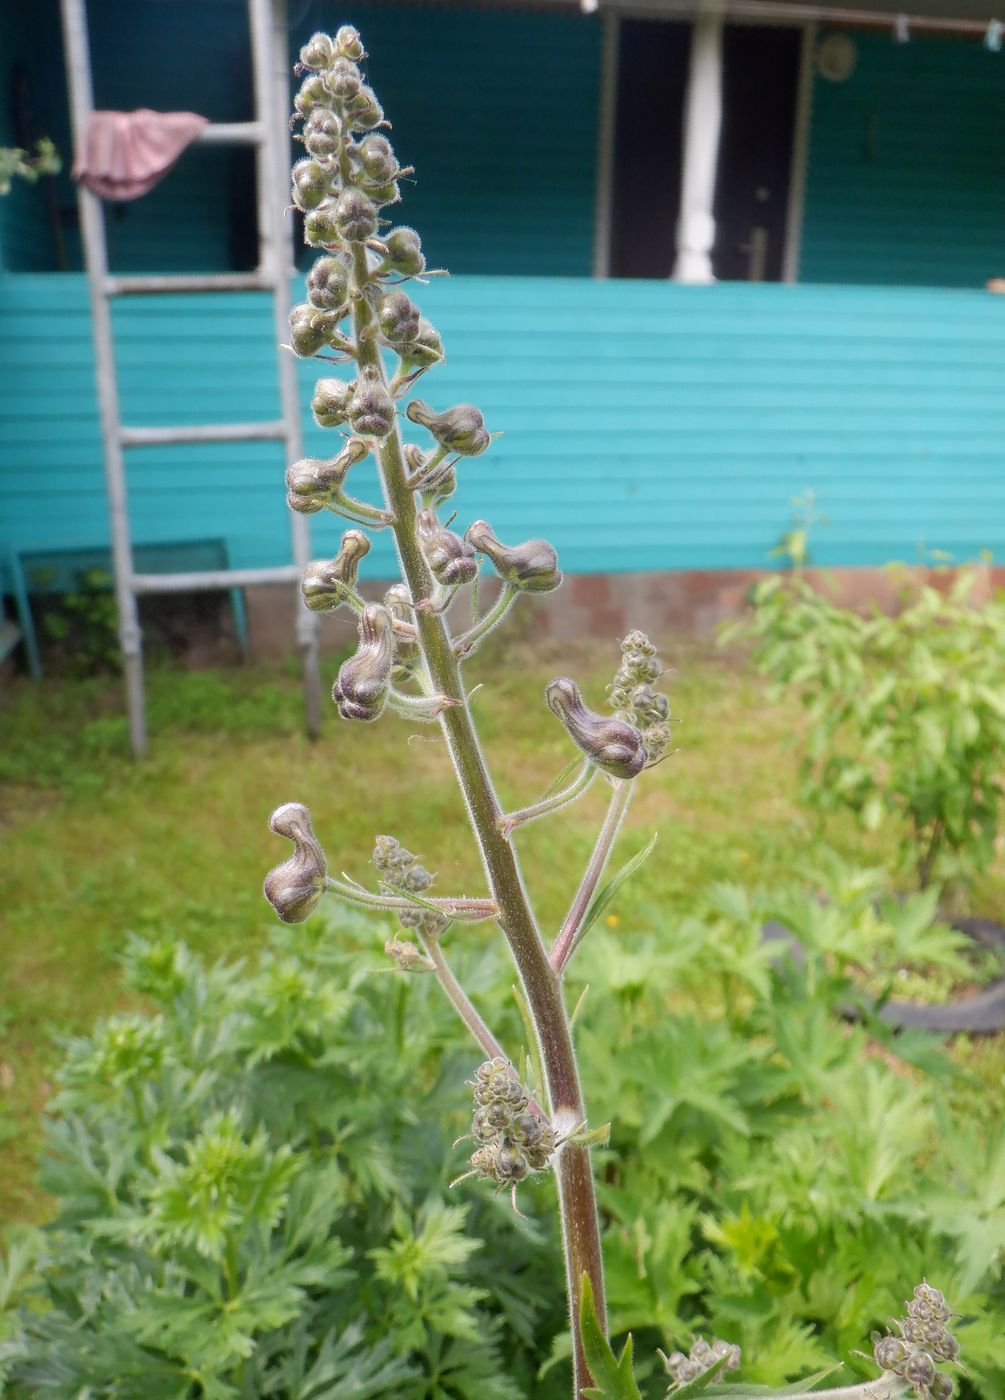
x=409, y=661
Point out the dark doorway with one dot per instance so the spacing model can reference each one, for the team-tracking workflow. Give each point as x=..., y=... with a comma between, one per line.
x=653, y=60
x=759, y=83
x=759, y=86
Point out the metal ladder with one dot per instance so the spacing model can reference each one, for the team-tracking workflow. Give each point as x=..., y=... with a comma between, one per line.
x=275, y=269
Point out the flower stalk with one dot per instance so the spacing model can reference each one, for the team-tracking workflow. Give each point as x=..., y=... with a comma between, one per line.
x=409, y=661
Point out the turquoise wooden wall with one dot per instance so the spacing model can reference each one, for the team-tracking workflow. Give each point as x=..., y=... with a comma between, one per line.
x=497, y=110
x=905, y=178
x=645, y=425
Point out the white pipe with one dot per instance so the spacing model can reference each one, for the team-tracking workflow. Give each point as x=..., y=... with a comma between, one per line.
x=702, y=124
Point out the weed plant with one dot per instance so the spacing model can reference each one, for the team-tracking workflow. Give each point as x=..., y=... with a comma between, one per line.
x=906, y=712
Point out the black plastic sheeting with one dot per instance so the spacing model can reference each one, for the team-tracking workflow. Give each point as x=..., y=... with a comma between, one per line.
x=980, y=1014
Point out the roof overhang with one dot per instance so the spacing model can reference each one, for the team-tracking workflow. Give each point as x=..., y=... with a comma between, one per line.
x=948, y=16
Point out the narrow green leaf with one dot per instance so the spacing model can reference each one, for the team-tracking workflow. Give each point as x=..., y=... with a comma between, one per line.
x=609, y=890
x=612, y=1375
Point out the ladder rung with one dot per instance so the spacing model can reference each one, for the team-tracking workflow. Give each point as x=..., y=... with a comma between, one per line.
x=232, y=134
x=213, y=578
x=204, y=282
x=203, y=432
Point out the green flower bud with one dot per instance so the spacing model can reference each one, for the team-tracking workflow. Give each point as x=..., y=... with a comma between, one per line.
x=311, y=482
x=361, y=688
x=356, y=216
x=294, y=889
x=371, y=409
x=928, y=1302
x=328, y=285
x=531, y=566
x=451, y=560
x=941, y=1387
x=330, y=401
x=321, y=134
x=348, y=42
x=398, y=318
x=425, y=350
x=945, y=1347
x=308, y=184
x=919, y=1368
x=318, y=52
x=460, y=429
x=674, y=1363
x=364, y=112
x=325, y=581
x=613, y=745
x=343, y=80
x=384, y=194
x=312, y=95
x=408, y=957
x=890, y=1354
x=377, y=159
x=321, y=228
x=404, y=252
x=309, y=330
x=650, y=706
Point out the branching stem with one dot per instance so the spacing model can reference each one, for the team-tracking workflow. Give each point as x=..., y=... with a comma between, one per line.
x=461, y=909
x=573, y=1171
x=467, y=641
x=459, y=998
x=576, y=788
x=569, y=934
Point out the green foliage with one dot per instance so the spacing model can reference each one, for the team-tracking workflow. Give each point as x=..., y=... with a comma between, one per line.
x=612, y=1374
x=778, y=1177
x=252, y=1177
x=80, y=627
x=906, y=714
x=16, y=163
x=251, y=1187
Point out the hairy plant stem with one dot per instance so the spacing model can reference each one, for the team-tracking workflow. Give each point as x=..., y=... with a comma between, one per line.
x=575, y=789
x=569, y=934
x=466, y=642
x=573, y=1171
x=885, y=1387
x=459, y=998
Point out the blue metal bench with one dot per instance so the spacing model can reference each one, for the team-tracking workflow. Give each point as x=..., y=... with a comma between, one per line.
x=54, y=571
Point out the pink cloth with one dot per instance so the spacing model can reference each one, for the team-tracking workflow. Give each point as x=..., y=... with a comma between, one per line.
x=126, y=153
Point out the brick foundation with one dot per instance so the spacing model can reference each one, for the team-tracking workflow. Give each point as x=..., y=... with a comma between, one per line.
x=687, y=601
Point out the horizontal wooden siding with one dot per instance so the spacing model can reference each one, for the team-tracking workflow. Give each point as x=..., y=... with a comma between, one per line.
x=904, y=178
x=644, y=425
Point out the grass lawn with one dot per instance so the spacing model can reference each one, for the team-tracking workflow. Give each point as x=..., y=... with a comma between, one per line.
x=96, y=846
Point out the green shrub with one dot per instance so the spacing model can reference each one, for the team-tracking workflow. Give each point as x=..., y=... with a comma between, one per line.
x=252, y=1193
x=252, y=1178
x=906, y=713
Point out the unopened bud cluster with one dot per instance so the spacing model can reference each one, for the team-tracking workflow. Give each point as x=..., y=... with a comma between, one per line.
x=924, y=1342
x=400, y=869
x=702, y=1356
x=635, y=698
x=514, y=1139
x=408, y=957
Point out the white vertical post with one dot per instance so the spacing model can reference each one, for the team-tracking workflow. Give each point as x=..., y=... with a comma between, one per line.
x=272, y=104
x=78, y=67
x=702, y=123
